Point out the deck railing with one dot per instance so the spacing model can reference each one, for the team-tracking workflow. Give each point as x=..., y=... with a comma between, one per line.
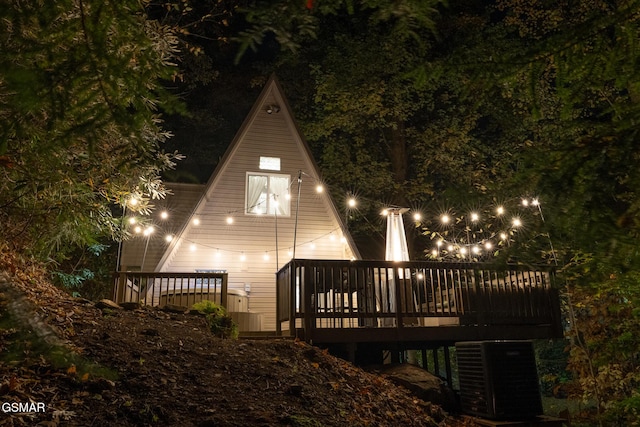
x=161, y=289
x=315, y=296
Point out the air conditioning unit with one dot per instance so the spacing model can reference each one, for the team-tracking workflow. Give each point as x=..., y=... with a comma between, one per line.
x=498, y=379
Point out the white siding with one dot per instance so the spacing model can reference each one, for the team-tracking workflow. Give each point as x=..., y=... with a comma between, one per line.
x=219, y=245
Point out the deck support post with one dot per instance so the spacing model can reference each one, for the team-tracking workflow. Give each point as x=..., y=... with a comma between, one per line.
x=436, y=362
x=447, y=366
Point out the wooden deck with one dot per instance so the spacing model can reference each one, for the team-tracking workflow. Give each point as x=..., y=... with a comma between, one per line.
x=415, y=304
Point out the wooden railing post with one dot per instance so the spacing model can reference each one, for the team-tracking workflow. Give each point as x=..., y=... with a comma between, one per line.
x=118, y=295
x=398, y=297
x=307, y=296
x=293, y=274
x=223, y=290
x=278, y=296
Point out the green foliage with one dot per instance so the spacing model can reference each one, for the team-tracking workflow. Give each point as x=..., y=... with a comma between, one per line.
x=605, y=350
x=79, y=123
x=218, y=320
x=73, y=281
x=292, y=22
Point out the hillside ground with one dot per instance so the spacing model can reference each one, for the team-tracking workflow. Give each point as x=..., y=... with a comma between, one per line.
x=98, y=367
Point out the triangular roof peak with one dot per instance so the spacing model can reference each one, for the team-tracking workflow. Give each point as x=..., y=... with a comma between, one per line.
x=271, y=102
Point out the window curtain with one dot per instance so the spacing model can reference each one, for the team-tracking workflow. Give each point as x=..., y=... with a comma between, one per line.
x=256, y=187
x=279, y=187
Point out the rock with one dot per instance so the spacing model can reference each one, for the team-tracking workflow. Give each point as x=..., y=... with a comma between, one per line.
x=174, y=308
x=421, y=384
x=295, y=390
x=130, y=305
x=107, y=303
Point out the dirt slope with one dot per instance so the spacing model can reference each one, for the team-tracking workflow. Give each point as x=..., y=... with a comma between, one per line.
x=149, y=367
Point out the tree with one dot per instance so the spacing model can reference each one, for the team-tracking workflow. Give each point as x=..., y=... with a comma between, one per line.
x=80, y=130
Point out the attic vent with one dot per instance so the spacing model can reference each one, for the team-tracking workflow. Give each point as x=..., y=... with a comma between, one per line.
x=270, y=163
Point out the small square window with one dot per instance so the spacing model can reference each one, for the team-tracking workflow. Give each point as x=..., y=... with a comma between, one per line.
x=270, y=163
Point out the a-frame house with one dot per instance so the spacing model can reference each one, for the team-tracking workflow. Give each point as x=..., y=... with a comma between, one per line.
x=263, y=205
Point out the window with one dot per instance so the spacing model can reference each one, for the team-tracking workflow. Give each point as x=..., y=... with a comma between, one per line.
x=270, y=163
x=267, y=194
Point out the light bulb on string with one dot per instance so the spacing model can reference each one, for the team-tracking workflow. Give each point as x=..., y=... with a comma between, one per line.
x=229, y=220
x=164, y=214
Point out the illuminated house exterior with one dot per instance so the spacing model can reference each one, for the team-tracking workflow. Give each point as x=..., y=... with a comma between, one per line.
x=261, y=206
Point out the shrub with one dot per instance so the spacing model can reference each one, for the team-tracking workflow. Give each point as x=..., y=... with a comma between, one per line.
x=218, y=320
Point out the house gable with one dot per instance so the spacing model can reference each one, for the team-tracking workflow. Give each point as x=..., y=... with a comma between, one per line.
x=251, y=247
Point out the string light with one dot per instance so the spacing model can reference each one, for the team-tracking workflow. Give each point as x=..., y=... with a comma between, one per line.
x=196, y=221
x=445, y=219
x=417, y=216
x=229, y=220
x=516, y=222
x=168, y=238
x=243, y=257
x=500, y=210
x=132, y=220
x=192, y=247
x=352, y=202
x=474, y=217
x=164, y=214
x=319, y=188
x=138, y=229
